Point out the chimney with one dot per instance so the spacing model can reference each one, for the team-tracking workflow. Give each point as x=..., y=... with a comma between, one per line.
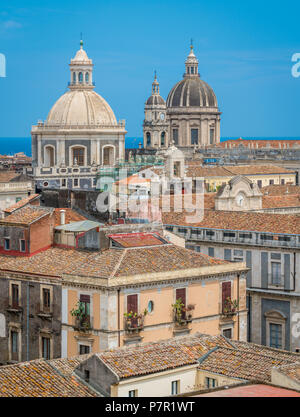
x=62, y=217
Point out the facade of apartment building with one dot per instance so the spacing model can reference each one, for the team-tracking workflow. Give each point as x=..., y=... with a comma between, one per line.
x=269, y=244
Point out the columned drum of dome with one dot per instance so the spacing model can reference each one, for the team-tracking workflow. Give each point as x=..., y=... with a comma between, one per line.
x=155, y=126
x=80, y=131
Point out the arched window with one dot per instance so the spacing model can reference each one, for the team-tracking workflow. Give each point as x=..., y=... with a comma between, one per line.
x=148, y=135
x=192, y=70
x=80, y=76
x=78, y=156
x=49, y=156
x=162, y=138
x=74, y=77
x=87, y=77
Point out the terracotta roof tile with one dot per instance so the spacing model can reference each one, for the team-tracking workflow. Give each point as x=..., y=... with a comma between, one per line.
x=26, y=215
x=22, y=203
x=70, y=216
x=40, y=378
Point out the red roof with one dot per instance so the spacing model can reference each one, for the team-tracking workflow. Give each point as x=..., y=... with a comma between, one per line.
x=133, y=240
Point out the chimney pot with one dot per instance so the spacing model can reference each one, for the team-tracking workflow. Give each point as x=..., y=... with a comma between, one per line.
x=62, y=217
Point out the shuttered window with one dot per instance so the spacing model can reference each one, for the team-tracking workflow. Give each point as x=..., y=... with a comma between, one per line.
x=86, y=301
x=226, y=292
x=132, y=303
x=181, y=294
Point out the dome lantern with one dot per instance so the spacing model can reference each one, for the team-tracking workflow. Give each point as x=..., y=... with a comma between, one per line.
x=191, y=63
x=81, y=68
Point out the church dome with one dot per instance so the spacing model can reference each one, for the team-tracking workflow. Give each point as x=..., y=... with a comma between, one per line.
x=81, y=107
x=192, y=91
x=155, y=100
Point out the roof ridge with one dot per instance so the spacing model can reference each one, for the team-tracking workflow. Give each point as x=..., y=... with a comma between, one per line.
x=118, y=264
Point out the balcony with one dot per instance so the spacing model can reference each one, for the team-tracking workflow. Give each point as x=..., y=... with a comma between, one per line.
x=13, y=306
x=44, y=312
x=133, y=324
x=228, y=309
x=182, y=316
x=83, y=324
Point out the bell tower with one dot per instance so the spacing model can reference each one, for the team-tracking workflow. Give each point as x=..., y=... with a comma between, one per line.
x=155, y=127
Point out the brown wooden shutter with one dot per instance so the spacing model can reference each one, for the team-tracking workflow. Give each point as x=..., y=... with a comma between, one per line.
x=226, y=292
x=132, y=303
x=85, y=298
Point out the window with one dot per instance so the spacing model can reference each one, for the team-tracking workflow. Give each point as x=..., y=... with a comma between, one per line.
x=85, y=301
x=49, y=156
x=18, y=199
x=227, y=333
x=245, y=235
x=175, y=387
x=259, y=183
x=84, y=349
x=148, y=136
x=226, y=293
x=282, y=182
x=182, y=230
x=15, y=295
x=284, y=238
x=46, y=347
x=86, y=375
x=78, y=156
x=211, y=136
x=87, y=77
x=276, y=256
x=132, y=393
x=276, y=273
x=266, y=237
x=196, y=234
x=63, y=182
x=169, y=228
x=46, y=299
x=209, y=233
x=271, y=182
x=150, y=306
x=80, y=77
x=238, y=255
x=210, y=382
x=276, y=335
x=14, y=338
x=211, y=252
x=75, y=182
x=22, y=245
x=194, y=136
x=74, y=77
x=175, y=136
x=162, y=139
x=180, y=294
x=6, y=244
x=228, y=234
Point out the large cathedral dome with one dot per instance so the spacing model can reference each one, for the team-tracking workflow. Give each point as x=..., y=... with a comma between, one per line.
x=192, y=91
x=81, y=107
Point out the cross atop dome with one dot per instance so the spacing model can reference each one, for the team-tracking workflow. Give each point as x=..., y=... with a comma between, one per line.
x=155, y=85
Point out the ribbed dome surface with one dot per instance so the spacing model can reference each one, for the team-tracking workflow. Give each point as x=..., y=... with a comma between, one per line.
x=192, y=92
x=154, y=100
x=81, y=107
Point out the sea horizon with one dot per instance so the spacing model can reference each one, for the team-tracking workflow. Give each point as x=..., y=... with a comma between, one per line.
x=12, y=145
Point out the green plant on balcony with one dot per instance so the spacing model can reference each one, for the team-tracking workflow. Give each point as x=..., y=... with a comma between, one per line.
x=179, y=310
x=82, y=320
x=134, y=321
x=230, y=306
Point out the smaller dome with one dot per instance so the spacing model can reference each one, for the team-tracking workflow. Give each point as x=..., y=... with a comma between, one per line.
x=81, y=55
x=155, y=100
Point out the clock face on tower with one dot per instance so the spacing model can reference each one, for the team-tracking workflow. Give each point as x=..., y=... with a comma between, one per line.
x=162, y=116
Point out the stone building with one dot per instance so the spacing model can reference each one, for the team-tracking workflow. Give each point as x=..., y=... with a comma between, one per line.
x=80, y=135
x=192, y=113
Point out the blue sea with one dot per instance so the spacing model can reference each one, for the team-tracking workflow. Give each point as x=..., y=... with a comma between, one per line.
x=10, y=146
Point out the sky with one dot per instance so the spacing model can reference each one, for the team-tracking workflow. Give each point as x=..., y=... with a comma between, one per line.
x=244, y=51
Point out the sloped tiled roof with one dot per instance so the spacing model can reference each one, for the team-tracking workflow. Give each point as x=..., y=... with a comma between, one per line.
x=40, y=378
x=27, y=215
x=70, y=216
x=131, y=240
x=22, y=203
x=235, y=220
x=109, y=263
x=292, y=371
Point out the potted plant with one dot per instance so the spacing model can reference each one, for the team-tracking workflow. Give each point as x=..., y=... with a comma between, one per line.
x=178, y=309
x=81, y=317
x=230, y=306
